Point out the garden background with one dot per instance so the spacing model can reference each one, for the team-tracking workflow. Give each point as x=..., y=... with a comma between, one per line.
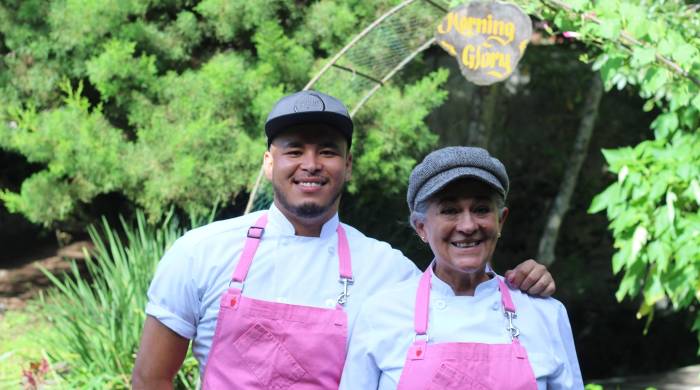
x=144, y=118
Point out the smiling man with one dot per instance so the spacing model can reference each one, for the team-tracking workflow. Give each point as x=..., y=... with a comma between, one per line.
x=267, y=299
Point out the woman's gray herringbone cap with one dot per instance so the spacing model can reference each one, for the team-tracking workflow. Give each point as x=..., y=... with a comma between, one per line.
x=445, y=165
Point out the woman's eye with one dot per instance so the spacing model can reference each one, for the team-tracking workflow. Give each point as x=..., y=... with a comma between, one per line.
x=482, y=210
x=449, y=210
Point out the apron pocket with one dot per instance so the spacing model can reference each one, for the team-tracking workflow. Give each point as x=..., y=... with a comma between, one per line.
x=448, y=377
x=268, y=359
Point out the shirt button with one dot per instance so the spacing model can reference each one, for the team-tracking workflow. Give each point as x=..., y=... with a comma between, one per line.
x=331, y=250
x=495, y=306
x=330, y=302
x=440, y=304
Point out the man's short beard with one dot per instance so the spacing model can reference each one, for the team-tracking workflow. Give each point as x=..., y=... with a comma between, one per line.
x=305, y=210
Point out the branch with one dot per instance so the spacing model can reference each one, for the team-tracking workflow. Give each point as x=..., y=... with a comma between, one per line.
x=626, y=39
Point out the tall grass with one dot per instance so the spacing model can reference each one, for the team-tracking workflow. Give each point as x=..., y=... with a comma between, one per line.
x=99, y=313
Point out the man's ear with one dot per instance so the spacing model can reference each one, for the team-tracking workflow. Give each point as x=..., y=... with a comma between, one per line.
x=267, y=163
x=348, y=167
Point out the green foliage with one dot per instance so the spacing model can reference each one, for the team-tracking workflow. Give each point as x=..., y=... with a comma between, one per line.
x=654, y=206
x=165, y=101
x=98, y=337
x=22, y=332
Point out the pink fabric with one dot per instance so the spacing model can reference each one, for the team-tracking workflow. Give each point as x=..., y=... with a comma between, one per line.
x=344, y=254
x=476, y=366
x=255, y=234
x=267, y=345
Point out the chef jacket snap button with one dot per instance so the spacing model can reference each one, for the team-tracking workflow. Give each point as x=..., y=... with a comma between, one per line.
x=330, y=302
x=331, y=250
x=440, y=304
x=495, y=306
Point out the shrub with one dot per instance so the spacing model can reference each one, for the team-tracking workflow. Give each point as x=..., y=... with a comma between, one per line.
x=99, y=313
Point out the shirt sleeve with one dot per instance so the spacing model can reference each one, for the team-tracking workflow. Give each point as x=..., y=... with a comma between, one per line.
x=568, y=376
x=172, y=297
x=360, y=371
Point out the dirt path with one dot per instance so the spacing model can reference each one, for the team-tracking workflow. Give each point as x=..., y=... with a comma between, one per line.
x=17, y=285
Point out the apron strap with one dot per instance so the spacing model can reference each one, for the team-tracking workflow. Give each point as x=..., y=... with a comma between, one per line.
x=252, y=241
x=345, y=265
x=506, y=300
x=420, y=321
x=508, y=311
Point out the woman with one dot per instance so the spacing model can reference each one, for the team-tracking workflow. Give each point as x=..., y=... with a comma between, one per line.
x=458, y=326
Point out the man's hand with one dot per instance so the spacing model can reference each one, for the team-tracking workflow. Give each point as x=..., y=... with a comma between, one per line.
x=532, y=278
x=161, y=354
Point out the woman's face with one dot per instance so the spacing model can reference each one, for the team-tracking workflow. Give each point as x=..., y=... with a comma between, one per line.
x=462, y=225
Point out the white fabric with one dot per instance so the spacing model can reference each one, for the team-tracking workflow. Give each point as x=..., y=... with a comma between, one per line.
x=184, y=294
x=384, y=331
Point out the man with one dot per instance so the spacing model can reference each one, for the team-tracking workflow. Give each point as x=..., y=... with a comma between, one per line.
x=304, y=273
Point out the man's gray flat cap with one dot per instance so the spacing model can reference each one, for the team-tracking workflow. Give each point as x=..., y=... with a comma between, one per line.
x=445, y=165
x=308, y=107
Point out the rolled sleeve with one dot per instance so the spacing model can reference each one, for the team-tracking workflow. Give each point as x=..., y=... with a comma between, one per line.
x=172, y=297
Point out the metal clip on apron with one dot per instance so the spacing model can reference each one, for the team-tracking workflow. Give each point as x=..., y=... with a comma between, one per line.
x=268, y=345
x=464, y=366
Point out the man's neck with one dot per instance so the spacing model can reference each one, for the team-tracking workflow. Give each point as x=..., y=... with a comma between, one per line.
x=306, y=227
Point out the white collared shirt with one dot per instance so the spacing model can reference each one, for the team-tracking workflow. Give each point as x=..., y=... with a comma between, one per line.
x=384, y=330
x=184, y=294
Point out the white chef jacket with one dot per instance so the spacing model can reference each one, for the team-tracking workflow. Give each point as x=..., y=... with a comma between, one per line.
x=384, y=330
x=184, y=294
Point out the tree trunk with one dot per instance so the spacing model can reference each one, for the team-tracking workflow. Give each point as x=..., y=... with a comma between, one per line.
x=545, y=253
x=484, y=114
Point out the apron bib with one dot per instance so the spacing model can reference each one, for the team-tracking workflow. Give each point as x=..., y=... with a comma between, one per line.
x=464, y=366
x=268, y=345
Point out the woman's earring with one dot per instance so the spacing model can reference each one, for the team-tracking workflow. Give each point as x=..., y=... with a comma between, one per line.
x=422, y=238
x=499, y=234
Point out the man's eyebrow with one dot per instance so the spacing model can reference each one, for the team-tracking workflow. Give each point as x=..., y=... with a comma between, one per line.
x=329, y=144
x=292, y=143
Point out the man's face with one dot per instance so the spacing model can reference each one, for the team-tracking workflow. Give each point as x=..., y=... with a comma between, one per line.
x=308, y=166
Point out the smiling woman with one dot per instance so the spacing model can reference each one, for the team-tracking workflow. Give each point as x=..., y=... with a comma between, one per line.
x=456, y=327
x=462, y=224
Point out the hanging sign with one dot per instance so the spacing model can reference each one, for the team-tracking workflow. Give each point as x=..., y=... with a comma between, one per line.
x=487, y=38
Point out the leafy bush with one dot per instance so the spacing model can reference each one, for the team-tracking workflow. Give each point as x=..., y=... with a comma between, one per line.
x=164, y=102
x=654, y=205
x=99, y=316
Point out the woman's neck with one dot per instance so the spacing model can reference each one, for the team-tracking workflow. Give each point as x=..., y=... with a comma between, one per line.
x=462, y=283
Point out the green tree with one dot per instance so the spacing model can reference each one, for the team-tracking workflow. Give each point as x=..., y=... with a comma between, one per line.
x=164, y=101
x=654, y=205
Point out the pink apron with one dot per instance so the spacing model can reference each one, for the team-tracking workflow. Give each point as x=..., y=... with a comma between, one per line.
x=464, y=365
x=267, y=345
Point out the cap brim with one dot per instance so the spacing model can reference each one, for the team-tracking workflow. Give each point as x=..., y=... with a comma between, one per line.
x=442, y=179
x=339, y=122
